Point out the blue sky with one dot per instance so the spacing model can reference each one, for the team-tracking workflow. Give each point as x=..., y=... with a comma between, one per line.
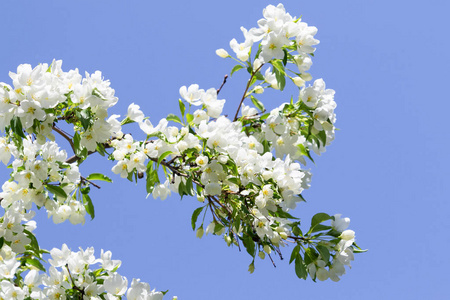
x=387, y=169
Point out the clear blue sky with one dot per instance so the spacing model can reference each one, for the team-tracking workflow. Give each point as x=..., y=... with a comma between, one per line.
x=387, y=169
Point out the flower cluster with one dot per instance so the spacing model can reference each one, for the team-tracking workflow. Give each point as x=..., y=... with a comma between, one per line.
x=275, y=32
x=41, y=176
x=71, y=274
x=248, y=172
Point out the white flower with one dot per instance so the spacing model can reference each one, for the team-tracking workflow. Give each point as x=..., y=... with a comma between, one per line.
x=161, y=191
x=116, y=284
x=192, y=94
x=222, y=53
x=202, y=161
x=340, y=224
x=134, y=113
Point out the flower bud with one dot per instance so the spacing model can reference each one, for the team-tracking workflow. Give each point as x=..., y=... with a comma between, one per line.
x=227, y=239
x=298, y=81
x=256, y=64
x=348, y=235
x=251, y=267
x=261, y=255
x=322, y=274
x=201, y=198
x=306, y=76
x=258, y=89
x=267, y=249
x=222, y=53
x=200, y=232
x=283, y=235
x=223, y=159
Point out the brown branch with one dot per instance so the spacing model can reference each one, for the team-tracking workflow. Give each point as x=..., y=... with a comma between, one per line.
x=64, y=135
x=245, y=92
x=73, y=283
x=84, y=179
x=272, y=261
x=223, y=83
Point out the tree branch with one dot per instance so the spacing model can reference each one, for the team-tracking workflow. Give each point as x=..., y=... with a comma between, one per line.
x=245, y=92
x=64, y=135
x=223, y=83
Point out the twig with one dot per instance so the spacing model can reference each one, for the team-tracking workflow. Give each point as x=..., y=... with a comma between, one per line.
x=272, y=261
x=84, y=179
x=73, y=283
x=245, y=92
x=64, y=135
x=223, y=83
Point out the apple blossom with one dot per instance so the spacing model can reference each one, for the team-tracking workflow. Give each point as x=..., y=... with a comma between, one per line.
x=248, y=172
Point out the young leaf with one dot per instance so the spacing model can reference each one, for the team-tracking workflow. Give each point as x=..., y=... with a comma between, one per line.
x=35, y=263
x=319, y=218
x=294, y=253
x=56, y=190
x=195, y=215
x=324, y=252
x=236, y=68
x=285, y=57
x=89, y=206
x=174, y=118
x=189, y=118
x=280, y=74
x=182, y=107
x=258, y=104
x=99, y=176
x=300, y=267
x=249, y=245
x=161, y=158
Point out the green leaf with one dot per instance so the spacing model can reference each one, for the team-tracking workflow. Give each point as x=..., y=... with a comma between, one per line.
x=189, y=187
x=218, y=227
x=34, y=243
x=56, y=190
x=16, y=126
x=297, y=231
x=236, y=68
x=319, y=218
x=285, y=215
x=195, y=215
x=249, y=245
x=174, y=118
x=258, y=104
x=2, y=241
x=234, y=180
x=300, y=268
x=35, y=263
x=259, y=76
x=310, y=255
x=85, y=118
x=320, y=227
x=285, y=57
x=305, y=152
x=356, y=249
x=85, y=190
x=189, y=118
x=280, y=74
x=89, y=206
x=164, y=155
x=294, y=253
x=359, y=250
x=182, y=107
x=324, y=252
x=101, y=149
x=323, y=137
x=99, y=176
